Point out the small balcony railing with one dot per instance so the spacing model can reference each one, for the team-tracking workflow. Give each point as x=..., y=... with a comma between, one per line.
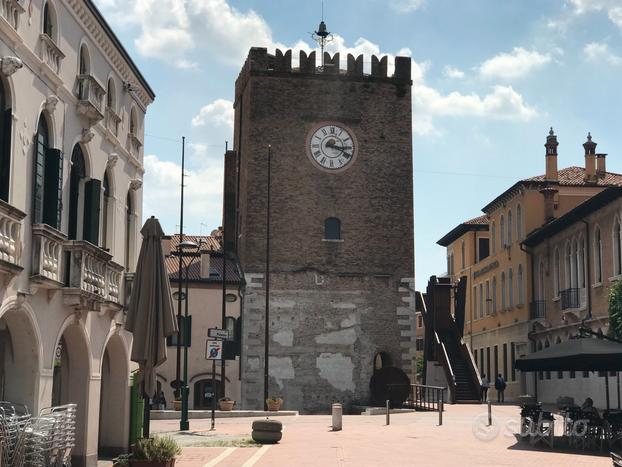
x=92, y=278
x=90, y=98
x=134, y=144
x=112, y=121
x=47, y=244
x=10, y=238
x=11, y=10
x=50, y=54
x=537, y=309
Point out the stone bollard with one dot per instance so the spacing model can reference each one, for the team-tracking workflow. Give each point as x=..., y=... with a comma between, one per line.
x=489, y=413
x=337, y=415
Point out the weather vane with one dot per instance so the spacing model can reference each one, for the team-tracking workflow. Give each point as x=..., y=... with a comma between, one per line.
x=322, y=36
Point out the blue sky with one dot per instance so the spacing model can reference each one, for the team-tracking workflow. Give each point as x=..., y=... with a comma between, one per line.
x=489, y=78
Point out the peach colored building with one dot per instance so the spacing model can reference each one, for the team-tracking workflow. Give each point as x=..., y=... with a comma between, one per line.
x=501, y=303
x=205, y=271
x=576, y=258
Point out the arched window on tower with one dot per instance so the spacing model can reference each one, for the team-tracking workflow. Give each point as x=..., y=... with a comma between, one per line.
x=462, y=256
x=133, y=122
x=494, y=294
x=111, y=95
x=521, y=289
x=48, y=179
x=6, y=119
x=510, y=288
x=332, y=229
x=519, y=222
x=568, y=266
x=503, y=291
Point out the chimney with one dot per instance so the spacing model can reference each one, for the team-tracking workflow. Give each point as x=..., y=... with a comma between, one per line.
x=166, y=245
x=601, y=167
x=549, y=203
x=590, y=159
x=551, y=156
x=205, y=263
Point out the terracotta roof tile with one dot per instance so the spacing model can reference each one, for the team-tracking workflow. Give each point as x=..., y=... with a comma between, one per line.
x=480, y=220
x=575, y=176
x=194, y=268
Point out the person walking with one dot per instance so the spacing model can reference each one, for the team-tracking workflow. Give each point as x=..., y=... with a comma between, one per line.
x=500, y=387
x=485, y=385
x=162, y=401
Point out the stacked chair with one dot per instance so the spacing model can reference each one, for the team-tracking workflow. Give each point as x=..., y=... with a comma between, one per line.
x=43, y=441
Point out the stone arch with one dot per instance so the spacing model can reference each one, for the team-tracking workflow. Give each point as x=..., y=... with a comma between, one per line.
x=114, y=402
x=72, y=377
x=84, y=58
x=49, y=14
x=21, y=354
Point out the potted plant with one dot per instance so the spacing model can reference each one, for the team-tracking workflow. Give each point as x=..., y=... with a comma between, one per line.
x=226, y=404
x=122, y=460
x=177, y=404
x=274, y=403
x=159, y=451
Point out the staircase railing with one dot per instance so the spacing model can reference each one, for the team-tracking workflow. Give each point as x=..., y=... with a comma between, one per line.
x=449, y=372
x=422, y=397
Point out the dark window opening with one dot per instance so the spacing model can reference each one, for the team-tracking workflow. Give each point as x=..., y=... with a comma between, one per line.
x=5, y=145
x=77, y=174
x=484, y=248
x=48, y=179
x=185, y=329
x=48, y=27
x=332, y=229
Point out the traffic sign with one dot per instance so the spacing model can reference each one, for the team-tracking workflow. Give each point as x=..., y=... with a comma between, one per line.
x=216, y=333
x=213, y=350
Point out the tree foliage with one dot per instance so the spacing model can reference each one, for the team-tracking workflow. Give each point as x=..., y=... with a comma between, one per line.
x=615, y=309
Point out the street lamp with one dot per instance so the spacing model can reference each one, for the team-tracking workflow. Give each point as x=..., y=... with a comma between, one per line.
x=184, y=424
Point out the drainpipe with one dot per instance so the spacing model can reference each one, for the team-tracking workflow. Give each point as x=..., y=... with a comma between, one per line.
x=533, y=288
x=587, y=278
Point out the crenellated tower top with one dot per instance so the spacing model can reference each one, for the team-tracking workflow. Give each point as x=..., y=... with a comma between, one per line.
x=260, y=62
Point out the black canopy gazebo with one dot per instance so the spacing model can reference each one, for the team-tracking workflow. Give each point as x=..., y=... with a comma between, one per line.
x=579, y=354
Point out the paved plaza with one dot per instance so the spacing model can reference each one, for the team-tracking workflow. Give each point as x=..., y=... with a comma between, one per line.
x=411, y=439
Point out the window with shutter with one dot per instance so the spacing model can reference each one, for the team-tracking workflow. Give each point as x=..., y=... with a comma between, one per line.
x=41, y=148
x=52, y=189
x=5, y=146
x=92, y=203
x=78, y=172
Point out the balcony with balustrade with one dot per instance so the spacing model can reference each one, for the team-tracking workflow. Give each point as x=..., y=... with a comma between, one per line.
x=92, y=279
x=51, y=56
x=90, y=98
x=47, y=255
x=10, y=12
x=10, y=239
x=112, y=121
x=134, y=145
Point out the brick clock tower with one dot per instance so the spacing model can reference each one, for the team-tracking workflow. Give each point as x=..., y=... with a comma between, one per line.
x=341, y=261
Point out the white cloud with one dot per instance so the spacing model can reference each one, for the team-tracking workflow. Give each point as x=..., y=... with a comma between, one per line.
x=613, y=8
x=202, y=194
x=406, y=6
x=452, y=72
x=220, y=112
x=516, y=64
x=599, y=51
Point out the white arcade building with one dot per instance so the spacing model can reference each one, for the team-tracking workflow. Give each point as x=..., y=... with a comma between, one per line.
x=72, y=107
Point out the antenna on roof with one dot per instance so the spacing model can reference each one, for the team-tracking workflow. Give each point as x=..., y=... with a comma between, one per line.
x=322, y=36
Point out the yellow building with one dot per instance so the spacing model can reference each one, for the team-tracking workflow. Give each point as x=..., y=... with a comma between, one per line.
x=500, y=302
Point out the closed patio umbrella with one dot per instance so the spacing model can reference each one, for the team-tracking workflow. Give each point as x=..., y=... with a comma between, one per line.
x=150, y=317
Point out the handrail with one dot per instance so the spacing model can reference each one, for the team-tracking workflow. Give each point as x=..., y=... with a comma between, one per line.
x=473, y=365
x=449, y=368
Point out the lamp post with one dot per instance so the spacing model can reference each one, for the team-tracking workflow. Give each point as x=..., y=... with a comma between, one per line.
x=184, y=424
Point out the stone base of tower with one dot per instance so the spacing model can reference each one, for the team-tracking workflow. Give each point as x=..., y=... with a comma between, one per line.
x=325, y=331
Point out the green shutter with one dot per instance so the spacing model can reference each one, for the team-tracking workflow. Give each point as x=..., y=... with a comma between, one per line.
x=92, y=200
x=5, y=155
x=188, y=330
x=52, y=188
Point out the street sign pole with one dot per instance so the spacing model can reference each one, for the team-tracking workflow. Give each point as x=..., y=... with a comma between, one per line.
x=213, y=394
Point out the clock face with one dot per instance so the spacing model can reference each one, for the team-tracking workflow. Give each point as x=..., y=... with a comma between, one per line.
x=332, y=146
